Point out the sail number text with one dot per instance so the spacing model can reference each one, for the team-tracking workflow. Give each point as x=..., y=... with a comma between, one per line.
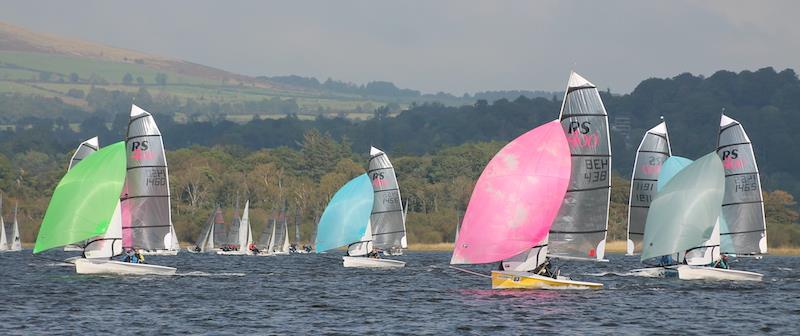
x=596, y=170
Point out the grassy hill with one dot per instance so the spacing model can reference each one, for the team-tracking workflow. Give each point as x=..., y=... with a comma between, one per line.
x=50, y=66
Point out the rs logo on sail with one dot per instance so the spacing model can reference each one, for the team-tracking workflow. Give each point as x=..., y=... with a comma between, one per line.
x=578, y=135
x=731, y=160
x=139, y=150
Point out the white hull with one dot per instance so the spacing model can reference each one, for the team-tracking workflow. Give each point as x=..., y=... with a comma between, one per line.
x=72, y=248
x=686, y=272
x=160, y=253
x=95, y=266
x=372, y=262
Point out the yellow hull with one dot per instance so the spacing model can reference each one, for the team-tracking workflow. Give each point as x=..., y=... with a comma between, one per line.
x=525, y=280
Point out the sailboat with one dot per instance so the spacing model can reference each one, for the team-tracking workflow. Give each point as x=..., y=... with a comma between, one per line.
x=145, y=200
x=84, y=149
x=245, y=234
x=85, y=204
x=388, y=215
x=3, y=239
x=684, y=222
x=205, y=242
x=16, y=242
x=650, y=156
x=279, y=241
x=745, y=229
x=512, y=209
x=346, y=222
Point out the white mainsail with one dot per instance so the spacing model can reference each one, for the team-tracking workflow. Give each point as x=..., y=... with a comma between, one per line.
x=363, y=246
x=245, y=233
x=650, y=156
x=271, y=244
x=16, y=244
x=3, y=239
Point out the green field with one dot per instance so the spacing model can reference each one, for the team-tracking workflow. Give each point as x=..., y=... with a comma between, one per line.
x=22, y=72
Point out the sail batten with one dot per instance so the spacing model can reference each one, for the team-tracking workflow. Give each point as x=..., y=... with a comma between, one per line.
x=744, y=229
x=516, y=197
x=580, y=228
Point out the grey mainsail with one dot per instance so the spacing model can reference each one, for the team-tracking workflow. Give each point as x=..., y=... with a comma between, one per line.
x=146, y=216
x=205, y=242
x=743, y=228
x=579, y=230
x=388, y=220
x=650, y=156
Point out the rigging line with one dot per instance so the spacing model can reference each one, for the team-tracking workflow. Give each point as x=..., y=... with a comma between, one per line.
x=469, y=272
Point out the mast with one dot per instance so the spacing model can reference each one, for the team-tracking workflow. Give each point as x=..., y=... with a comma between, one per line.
x=579, y=231
x=650, y=156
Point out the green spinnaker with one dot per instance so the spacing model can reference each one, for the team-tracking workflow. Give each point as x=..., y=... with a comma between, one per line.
x=84, y=200
x=684, y=212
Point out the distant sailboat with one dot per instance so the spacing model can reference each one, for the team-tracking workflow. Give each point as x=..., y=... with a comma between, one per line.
x=744, y=232
x=205, y=242
x=280, y=237
x=512, y=208
x=3, y=238
x=85, y=204
x=84, y=149
x=16, y=241
x=346, y=222
x=650, y=156
x=683, y=221
x=245, y=234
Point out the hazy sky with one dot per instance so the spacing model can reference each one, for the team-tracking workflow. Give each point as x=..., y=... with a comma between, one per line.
x=453, y=46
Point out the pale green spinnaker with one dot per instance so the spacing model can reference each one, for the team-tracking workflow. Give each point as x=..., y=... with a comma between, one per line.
x=684, y=212
x=84, y=200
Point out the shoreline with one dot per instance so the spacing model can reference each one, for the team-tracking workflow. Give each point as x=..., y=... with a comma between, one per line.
x=616, y=247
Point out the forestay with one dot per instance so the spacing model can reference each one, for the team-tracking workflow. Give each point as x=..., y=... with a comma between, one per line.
x=516, y=197
x=579, y=230
x=146, y=217
x=346, y=217
x=650, y=156
x=387, y=219
x=685, y=210
x=85, y=199
x=744, y=232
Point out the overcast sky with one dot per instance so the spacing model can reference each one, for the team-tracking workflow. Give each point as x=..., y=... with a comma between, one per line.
x=453, y=46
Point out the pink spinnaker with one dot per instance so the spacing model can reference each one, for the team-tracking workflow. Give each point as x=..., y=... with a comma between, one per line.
x=516, y=197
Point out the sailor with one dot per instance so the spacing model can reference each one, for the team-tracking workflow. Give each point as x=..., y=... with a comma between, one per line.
x=128, y=256
x=373, y=253
x=544, y=269
x=197, y=248
x=139, y=257
x=722, y=262
x=253, y=248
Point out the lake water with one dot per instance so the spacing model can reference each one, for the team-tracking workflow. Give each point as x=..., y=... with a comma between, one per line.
x=314, y=294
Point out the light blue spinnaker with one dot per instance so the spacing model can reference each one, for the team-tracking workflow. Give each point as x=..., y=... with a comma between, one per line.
x=670, y=168
x=685, y=210
x=346, y=217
